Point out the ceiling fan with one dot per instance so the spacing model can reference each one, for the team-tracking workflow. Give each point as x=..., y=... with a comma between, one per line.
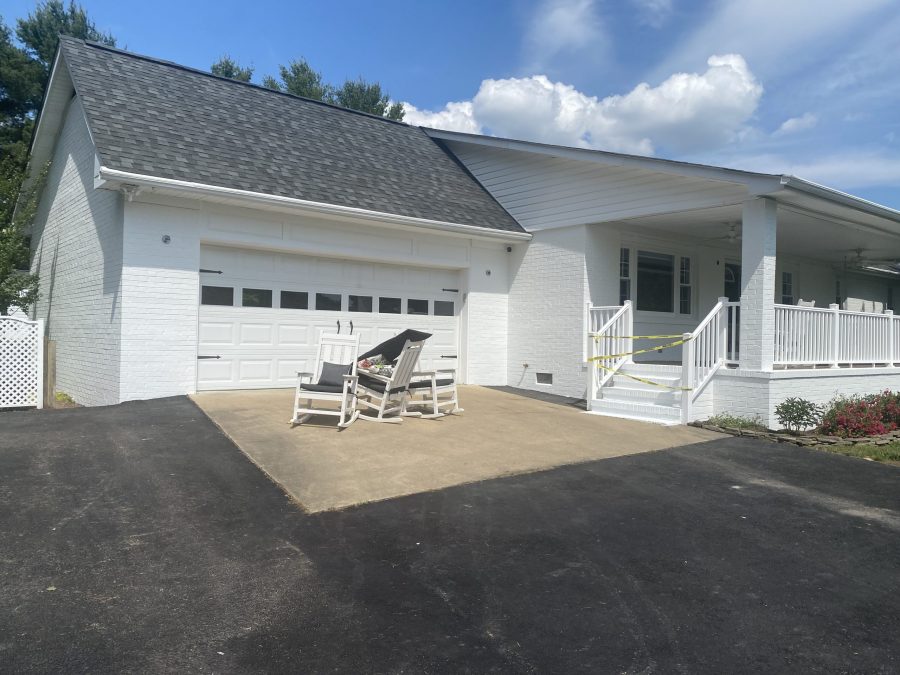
x=733, y=235
x=860, y=262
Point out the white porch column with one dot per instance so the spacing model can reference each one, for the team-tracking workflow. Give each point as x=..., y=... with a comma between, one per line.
x=758, y=284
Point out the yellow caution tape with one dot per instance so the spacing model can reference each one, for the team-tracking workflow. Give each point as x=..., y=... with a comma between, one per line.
x=644, y=380
x=637, y=337
x=610, y=357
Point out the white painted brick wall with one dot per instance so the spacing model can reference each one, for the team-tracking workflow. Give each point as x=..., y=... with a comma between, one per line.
x=758, y=284
x=547, y=300
x=757, y=394
x=77, y=246
x=160, y=285
x=487, y=316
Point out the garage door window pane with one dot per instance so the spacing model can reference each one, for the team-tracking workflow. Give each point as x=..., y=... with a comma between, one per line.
x=330, y=302
x=294, y=300
x=256, y=297
x=443, y=308
x=389, y=305
x=360, y=303
x=217, y=295
x=417, y=307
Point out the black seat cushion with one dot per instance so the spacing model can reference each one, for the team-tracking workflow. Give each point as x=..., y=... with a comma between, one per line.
x=333, y=373
x=323, y=388
x=422, y=384
x=376, y=385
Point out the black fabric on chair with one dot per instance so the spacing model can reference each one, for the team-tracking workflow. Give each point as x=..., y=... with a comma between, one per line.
x=376, y=385
x=324, y=388
x=333, y=374
x=390, y=349
x=422, y=384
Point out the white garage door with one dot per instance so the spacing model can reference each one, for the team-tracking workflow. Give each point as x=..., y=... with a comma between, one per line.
x=261, y=316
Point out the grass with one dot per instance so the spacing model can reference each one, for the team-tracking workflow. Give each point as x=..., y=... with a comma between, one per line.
x=63, y=397
x=737, y=422
x=879, y=453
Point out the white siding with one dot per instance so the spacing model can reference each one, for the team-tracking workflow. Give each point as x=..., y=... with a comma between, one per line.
x=547, y=300
x=544, y=192
x=78, y=254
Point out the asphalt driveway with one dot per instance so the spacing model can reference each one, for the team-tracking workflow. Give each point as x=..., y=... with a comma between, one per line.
x=138, y=538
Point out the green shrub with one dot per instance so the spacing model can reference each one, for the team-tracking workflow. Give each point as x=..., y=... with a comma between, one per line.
x=737, y=422
x=796, y=414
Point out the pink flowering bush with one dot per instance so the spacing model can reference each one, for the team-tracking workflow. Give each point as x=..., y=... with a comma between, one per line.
x=855, y=416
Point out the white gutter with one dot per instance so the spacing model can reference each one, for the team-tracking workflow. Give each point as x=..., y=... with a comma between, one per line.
x=319, y=208
x=838, y=197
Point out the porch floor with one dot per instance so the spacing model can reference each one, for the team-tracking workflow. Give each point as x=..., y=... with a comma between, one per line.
x=500, y=433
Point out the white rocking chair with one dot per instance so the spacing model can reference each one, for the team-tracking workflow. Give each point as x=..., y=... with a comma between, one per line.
x=387, y=395
x=333, y=381
x=431, y=385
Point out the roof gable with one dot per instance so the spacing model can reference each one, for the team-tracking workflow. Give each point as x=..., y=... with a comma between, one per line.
x=158, y=119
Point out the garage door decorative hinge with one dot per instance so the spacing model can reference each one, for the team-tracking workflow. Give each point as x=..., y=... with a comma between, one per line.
x=210, y=271
x=451, y=290
x=204, y=356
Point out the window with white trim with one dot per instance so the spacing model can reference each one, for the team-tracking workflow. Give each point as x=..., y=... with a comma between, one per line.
x=624, y=275
x=655, y=282
x=684, y=286
x=787, y=288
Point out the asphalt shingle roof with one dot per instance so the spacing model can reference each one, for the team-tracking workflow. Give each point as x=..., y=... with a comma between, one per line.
x=159, y=119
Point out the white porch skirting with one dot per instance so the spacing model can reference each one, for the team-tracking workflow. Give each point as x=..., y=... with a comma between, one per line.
x=750, y=394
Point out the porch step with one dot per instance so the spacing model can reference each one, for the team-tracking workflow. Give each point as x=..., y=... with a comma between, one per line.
x=651, y=401
x=645, y=412
x=648, y=394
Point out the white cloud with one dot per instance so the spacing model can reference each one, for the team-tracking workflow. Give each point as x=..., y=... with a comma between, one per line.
x=653, y=12
x=795, y=124
x=454, y=117
x=687, y=112
x=564, y=27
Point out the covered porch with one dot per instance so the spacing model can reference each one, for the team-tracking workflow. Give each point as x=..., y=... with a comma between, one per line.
x=761, y=300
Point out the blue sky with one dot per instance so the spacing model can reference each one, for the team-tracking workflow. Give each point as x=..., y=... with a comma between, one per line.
x=782, y=86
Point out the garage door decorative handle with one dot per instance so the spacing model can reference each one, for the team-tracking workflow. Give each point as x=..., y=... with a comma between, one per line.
x=339, y=326
x=351, y=328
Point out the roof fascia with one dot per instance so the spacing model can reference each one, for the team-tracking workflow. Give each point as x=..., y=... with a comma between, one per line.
x=131, y=182
x=757, y=183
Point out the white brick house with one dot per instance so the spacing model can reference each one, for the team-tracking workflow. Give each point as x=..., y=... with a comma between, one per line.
x=200, y=233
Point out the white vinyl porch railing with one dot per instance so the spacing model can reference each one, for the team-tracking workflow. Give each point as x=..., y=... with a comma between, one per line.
x=609, y=333
x=713, y=343
x=810, y=336
x=21, y=363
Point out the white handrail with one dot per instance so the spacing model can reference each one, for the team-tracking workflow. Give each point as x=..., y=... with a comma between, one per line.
x=613, y=338
x=705, y=351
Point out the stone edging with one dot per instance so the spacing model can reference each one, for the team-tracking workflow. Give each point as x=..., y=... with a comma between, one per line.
x=806, y=441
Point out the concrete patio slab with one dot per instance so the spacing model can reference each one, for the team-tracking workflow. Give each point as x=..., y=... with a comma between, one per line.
x=499, y=434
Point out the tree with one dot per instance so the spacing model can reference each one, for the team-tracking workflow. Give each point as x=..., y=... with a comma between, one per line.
x=18, y=288
x=24, y=72
x=40, y=31
x=300, y=79
x=21, y=90
x=367, y=97
x=228, y=67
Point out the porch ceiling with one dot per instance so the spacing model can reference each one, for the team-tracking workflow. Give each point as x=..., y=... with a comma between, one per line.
x=803, y=231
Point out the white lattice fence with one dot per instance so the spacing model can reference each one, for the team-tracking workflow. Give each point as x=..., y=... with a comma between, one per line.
x=21, y=363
